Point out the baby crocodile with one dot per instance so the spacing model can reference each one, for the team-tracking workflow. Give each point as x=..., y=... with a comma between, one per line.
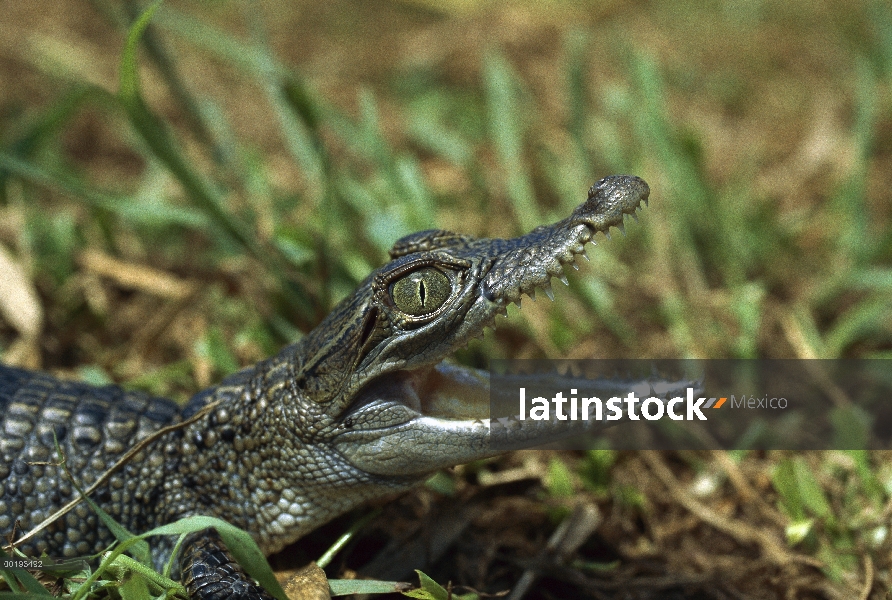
x=359, y=408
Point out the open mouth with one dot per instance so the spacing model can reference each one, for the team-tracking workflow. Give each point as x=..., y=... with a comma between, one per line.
x=440, y=391
x=427, y=416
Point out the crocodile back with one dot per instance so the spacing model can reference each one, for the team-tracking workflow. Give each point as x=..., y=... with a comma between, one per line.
x=94, y=427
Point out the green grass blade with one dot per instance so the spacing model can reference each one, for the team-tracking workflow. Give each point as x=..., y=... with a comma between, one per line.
x=139, y=548
x=129, y=73
x=134, y=588
x=300, y=140
x=106, y=564
x=346, y=587
x=506, y=128
x=10, y=579
x=880, y=20
x=151, y=211
x=57, y=181
x=51, y=121
x=800, y=492
x=165, y=63
x=298, y=111
x=576, y=44
x=342, y=541
x=162, y=144
x=440, y=139
x=247, y=57
x=858, y=323
x=125, y=568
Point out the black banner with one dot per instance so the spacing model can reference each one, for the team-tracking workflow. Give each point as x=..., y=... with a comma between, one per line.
x=692, y=404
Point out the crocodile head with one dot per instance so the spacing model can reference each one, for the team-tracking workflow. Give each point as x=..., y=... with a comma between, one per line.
x=373, y=370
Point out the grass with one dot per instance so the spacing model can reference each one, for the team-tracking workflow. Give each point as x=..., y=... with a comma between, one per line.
x=267, y=192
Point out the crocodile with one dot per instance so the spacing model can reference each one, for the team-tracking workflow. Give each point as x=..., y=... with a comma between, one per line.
x=361, y=407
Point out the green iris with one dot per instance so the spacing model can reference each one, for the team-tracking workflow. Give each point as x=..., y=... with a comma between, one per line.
x=421, y=292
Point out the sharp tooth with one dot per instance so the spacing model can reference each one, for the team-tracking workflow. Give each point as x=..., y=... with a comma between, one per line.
x=585, y=255
x=622, y=228
x=548, y=291
x=518, y=302
x=532, y=294
x=635, y=215
x=575, y=266
x=647, y=202
x=607, y=233
x=563, y=278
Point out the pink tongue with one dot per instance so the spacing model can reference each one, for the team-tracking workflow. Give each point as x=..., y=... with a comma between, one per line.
x=442, y=391
x=450, y=392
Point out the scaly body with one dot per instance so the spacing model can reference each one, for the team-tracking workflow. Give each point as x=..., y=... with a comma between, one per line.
x=359, y=408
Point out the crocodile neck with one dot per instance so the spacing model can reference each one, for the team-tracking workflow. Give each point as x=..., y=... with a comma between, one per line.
x=241, y=468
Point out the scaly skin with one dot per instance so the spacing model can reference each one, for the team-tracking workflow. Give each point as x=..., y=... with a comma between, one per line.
x=359, y=408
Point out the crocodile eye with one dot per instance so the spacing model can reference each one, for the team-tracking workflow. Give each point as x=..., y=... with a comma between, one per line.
x=421, y=292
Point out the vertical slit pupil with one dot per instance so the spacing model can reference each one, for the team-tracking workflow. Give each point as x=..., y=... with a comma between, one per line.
x=421, y=291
